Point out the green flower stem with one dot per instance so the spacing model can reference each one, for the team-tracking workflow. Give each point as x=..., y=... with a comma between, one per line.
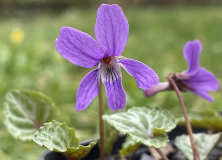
x=170, y=78
x=101, y=123
x=161, y=154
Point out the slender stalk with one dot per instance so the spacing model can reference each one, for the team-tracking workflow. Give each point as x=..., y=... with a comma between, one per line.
x=189, y=129
x=161, y=154
x=101, y=124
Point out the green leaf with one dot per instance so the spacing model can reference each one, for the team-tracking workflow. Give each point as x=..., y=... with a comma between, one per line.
x=205, y=143
x=26, y=111
x=129, y=146
x=205, y=119
x=142, y=124
x=59, y=137
x=110, y=138
x=4, y=156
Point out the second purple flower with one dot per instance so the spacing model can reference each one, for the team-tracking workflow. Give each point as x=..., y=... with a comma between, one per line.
x=111, y=31
x=195, y=79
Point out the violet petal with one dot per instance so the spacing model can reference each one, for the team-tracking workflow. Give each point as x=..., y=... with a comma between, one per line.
x=191, y=52
x=79, y=48
x=111, y=77
x=203, y=80
x=204, y=95
x=116, y=96
x=145, y=76
x=111, y=29
x=88, y=90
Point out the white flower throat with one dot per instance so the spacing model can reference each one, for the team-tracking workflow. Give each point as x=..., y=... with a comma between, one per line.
x=110, y=71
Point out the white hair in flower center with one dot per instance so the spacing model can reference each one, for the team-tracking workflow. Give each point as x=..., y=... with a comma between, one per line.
x=110, y=70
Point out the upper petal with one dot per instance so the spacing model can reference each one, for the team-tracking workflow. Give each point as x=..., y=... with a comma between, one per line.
x=191, y=52
x=145, y=76
x=111, y=77
x=111, y=29
x=79, y=48
x=88, y=90
x=203, y=80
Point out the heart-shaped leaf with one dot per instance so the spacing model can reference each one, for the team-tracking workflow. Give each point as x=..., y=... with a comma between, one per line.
x=129, y=146
x=205, y=119
x=205, y=143
x=26, y=111
x=147, y=125
x=59, y=137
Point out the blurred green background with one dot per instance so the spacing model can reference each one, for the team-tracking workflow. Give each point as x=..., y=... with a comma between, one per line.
x=158, y=33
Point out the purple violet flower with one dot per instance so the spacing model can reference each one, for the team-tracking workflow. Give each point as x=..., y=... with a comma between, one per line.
x=111, y=30
x=195, y=79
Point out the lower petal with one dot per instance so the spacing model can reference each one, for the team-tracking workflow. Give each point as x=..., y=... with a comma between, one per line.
x=88, y=90
x=111, y=77
x=116, y=96
x=204, y=95
x=145, y=76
